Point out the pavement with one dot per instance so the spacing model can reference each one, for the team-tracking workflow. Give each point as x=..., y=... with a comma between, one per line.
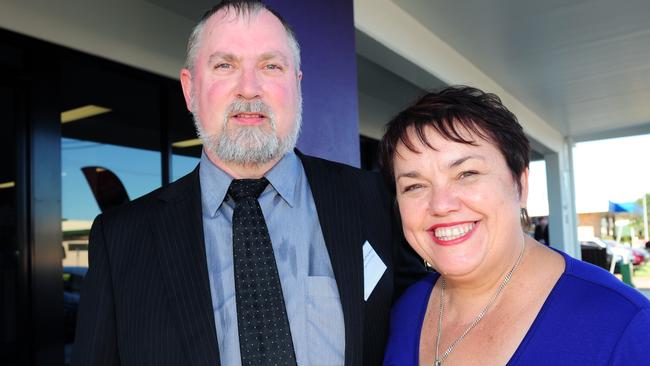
x=643, y=285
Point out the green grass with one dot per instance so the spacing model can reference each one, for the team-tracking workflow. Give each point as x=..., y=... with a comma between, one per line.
x=643, y=271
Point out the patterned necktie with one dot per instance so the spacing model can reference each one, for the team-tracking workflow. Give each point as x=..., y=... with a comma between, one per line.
x=264, y=334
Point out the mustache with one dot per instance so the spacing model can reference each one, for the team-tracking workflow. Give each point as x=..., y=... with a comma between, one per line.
x=244, y=106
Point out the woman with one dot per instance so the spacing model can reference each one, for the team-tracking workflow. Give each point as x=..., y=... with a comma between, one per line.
x=458, y=162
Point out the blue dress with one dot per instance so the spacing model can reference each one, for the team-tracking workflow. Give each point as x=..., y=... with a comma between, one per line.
x=589, y=318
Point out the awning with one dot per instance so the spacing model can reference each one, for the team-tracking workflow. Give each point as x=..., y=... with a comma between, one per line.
x=627, y=207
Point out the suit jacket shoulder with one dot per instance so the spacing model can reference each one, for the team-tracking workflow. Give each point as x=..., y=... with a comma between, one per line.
x=146, y=297
x=187, y=187
x=367, y=182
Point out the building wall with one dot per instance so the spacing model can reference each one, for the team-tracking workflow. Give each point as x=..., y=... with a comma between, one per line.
x=593, y=222
x=589, y=224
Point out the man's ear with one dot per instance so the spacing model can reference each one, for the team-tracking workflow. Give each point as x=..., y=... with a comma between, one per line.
x=186, y=84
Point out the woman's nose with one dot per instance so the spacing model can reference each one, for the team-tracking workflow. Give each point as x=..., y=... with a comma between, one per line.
x=443, y=201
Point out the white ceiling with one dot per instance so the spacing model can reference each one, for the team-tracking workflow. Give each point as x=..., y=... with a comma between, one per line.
x=387, y=83
x=582, y=66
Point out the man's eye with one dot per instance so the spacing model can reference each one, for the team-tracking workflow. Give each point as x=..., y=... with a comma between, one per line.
x=273, y=67
x=223, y=66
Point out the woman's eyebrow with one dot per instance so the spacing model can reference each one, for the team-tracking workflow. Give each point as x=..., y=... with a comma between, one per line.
x=411, y=174
x=458, y=162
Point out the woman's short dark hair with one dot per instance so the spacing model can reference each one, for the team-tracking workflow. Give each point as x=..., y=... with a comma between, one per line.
x=452, y=112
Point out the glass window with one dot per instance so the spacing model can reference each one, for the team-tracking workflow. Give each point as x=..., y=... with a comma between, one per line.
x=110, y=154
x=186, y=147
x=137, y=170
x=8, y=230
x=182, y=165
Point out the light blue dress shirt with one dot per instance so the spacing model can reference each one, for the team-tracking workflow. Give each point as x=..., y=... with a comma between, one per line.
x=308, y=285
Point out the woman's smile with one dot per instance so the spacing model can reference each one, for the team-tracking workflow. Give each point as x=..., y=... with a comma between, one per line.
x=452, y=233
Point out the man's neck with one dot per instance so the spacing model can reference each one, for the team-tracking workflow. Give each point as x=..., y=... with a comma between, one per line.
x=243, y=171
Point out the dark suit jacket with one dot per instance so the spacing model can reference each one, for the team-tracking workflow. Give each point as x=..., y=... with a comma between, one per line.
x=146, y=298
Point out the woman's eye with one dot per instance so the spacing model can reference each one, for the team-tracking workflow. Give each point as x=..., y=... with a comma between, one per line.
x=411, y=187
x=467, y=174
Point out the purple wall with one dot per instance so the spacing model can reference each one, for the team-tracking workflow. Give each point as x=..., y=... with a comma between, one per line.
x=325, y=31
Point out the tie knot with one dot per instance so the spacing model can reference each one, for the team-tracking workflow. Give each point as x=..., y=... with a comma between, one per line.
x=245, y=188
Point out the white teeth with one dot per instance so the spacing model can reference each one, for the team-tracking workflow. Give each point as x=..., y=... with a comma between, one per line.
x=453, y=232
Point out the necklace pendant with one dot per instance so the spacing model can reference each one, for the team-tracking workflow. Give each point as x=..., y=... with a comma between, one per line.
x=438, y=362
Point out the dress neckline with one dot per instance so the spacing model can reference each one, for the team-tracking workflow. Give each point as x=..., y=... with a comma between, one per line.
x=529, y=333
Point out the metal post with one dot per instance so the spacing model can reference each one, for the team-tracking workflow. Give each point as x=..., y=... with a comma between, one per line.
x=645, y=217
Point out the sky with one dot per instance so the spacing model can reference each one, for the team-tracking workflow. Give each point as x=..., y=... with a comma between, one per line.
x=604, y=170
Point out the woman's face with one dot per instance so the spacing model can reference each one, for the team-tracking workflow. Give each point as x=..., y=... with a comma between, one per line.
x=459, y=204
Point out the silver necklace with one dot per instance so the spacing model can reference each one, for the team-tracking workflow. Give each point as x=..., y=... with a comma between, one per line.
x=480, y=315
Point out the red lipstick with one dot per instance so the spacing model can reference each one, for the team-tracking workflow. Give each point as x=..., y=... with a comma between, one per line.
x=458, y=240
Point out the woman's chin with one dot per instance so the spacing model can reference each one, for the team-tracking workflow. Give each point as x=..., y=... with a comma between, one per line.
x=457, y=264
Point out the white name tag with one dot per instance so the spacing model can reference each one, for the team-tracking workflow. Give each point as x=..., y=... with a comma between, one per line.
x=373, y=269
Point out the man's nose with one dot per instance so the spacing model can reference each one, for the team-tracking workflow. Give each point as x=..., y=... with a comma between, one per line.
x=249, y=86
x=442, y=201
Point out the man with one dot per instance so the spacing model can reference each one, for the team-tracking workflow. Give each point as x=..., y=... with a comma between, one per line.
x=175, y=277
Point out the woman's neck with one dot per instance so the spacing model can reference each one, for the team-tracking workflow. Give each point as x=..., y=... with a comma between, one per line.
x=475, y=290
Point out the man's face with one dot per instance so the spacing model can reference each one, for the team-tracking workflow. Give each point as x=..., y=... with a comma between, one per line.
x=244, y=91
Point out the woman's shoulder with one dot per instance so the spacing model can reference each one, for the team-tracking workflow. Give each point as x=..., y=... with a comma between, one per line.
x=600, y=282
x=588, y=306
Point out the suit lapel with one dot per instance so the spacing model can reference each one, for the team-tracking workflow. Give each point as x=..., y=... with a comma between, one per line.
x=334, y=197
x=179, y=235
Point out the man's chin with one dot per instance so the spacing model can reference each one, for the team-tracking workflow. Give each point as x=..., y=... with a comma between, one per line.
x=235, y=126
x=242, y=153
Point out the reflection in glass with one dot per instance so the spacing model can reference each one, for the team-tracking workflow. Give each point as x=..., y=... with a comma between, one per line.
x=182, y=165
x=10, y=313
x=112, y=174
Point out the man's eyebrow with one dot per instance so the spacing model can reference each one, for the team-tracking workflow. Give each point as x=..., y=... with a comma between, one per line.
x=221, y=56
x=274, y=54
x=458, y=162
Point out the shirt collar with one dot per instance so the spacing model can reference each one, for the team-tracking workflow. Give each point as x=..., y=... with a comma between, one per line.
x=284, y=178
x=214, y=185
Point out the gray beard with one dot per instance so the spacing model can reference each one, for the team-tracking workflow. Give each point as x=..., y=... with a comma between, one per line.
x=249, y=144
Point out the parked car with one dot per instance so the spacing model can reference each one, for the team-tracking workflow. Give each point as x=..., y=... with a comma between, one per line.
x=621, y=254
x=598, y=253
x=625, y=251
x=73, y=278
x=641, y=256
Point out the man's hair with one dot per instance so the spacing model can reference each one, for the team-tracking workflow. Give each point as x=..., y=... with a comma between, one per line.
x=241, y=8
x=452, y=112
